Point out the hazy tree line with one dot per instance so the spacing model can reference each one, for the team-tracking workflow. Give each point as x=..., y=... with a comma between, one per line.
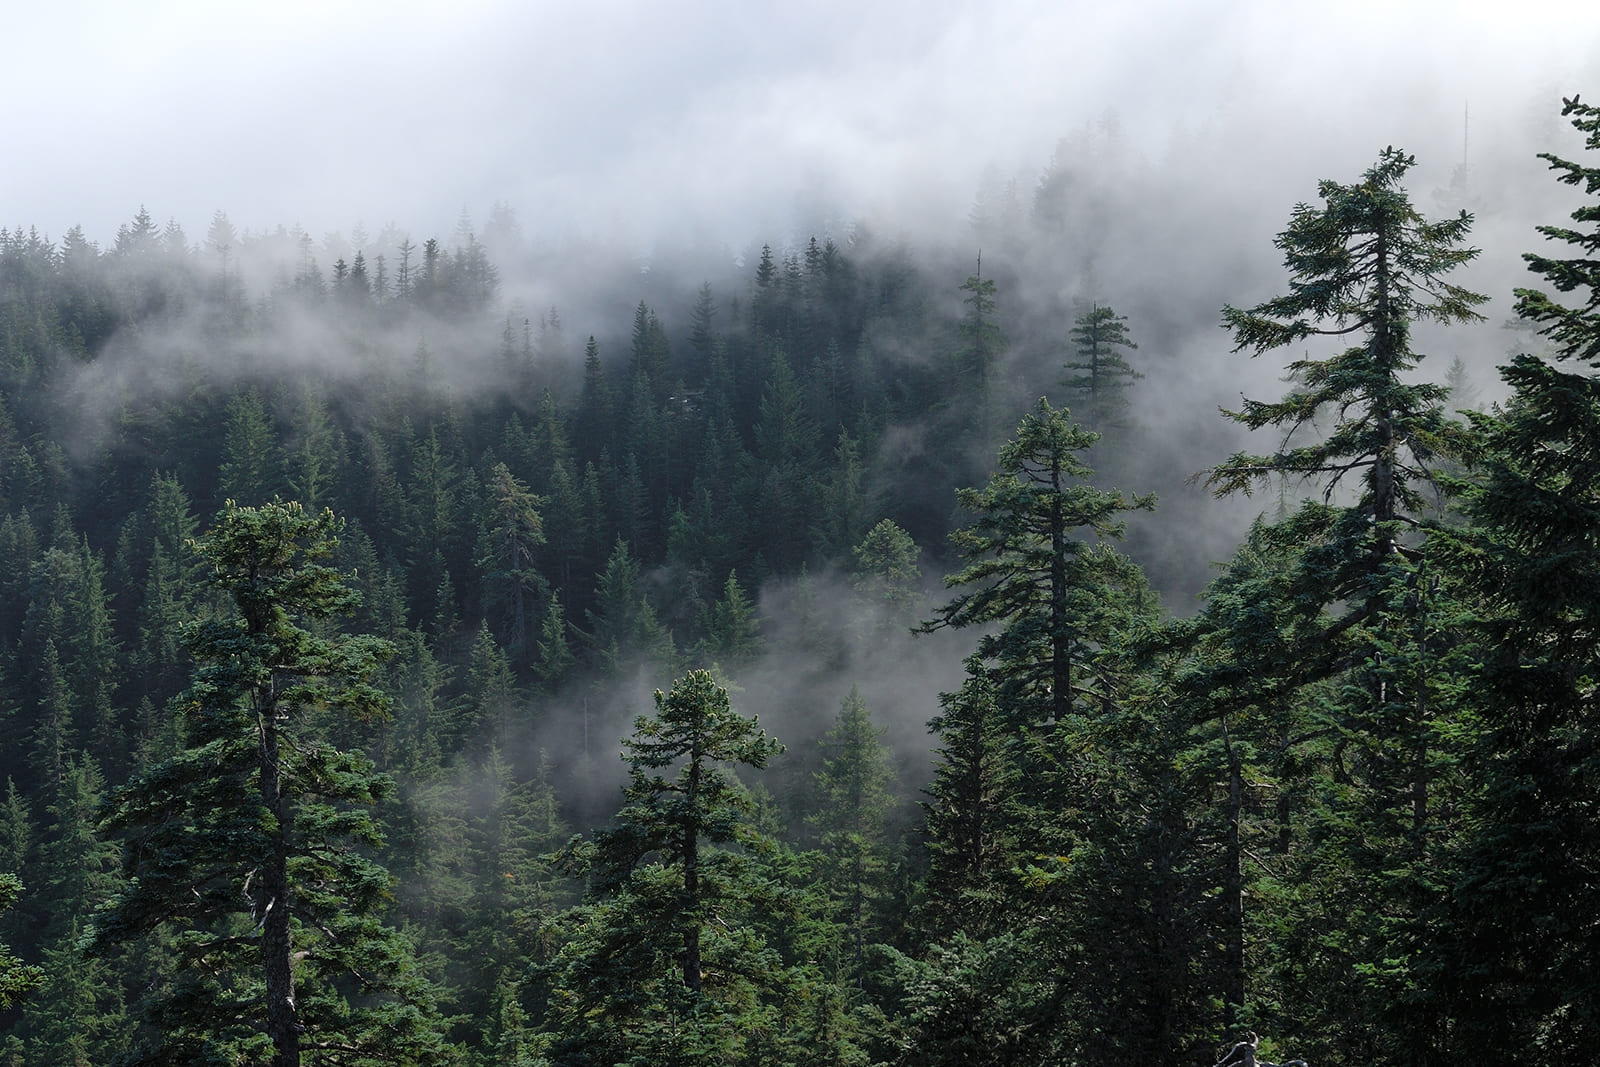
x=281, y=649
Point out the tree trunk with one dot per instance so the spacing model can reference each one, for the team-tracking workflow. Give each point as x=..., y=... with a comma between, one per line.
x=1060, y=637
x=283, y=1022
x=1233, y=891
x=691, y=883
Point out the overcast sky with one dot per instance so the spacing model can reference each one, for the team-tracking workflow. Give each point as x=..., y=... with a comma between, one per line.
x=653, y=120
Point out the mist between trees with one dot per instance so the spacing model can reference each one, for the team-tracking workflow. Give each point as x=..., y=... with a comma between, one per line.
x=335, y=582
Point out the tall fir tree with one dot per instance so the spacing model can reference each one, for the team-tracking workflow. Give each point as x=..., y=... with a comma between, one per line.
x=1041, y=569
x=855, y=798
x=1099, y=375
x=1366, y=267
x=1520, y=933
x=249, y=844
x=667, y=963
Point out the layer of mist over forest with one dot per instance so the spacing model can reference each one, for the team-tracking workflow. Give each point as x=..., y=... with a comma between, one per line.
x=1161, y=234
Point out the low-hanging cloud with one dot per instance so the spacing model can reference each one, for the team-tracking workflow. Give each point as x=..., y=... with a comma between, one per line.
x=642, y=122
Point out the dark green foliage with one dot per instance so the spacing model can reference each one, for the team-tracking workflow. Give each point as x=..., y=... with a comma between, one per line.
x=1059, y=608
x=1056, y=824
x=1100, y=376
x=1347, y=804
x=624, y=624
x=886, y=574
x=971, y=811
x=247, y=846
x=733, y=632
x=249, y=470
x=1371, y=700
x=977, y=1000
x=668, y=961
x=17, y=979
x=1570, y=329
x=1057, y=599
x=1364, y=263
x=982, y=343
x=172, y=587
x=854, y=800
x=78, y=1016
x=1243, y=659
x=1521, y=933
x=512, y=532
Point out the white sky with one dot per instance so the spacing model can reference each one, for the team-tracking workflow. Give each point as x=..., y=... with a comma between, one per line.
x=647, y=120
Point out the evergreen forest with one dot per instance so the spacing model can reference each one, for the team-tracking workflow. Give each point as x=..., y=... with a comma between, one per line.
x=786, y=665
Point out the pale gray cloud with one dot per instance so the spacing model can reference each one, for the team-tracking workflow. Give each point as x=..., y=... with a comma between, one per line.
x=644, y=119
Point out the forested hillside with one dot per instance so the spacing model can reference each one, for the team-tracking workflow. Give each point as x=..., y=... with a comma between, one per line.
x=335, y=580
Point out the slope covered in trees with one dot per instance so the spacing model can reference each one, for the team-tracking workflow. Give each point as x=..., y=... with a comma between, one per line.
x=327, y=590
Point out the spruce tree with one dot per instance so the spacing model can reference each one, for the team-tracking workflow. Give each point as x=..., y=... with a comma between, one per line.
x=250, y=845
x=971, y=811
x=1521, y=933
x=853, y=805
x=732, y=628
x=249, y=470
x=1364, y=269
x=624, y=623
x=1100, y=375
x=886, y=575
x=1364, y=264
x=1041, y=571
x=79, y=1016
x=667, y=963
x=17, y=979
x=512, y=530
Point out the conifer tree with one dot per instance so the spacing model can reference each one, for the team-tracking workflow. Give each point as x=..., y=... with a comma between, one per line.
x=732, y=630
x=1521, y=931
x=1056, y=599
x=1365, y=263
x=249, y=469
x=171, y=588
x=554, y=652
x=78, y=1016
x=486, y=705
x=970, y=813
x=651, y=356
x=1026, y=752
x=854, y=800
x=311, y=457
x=1242, y=679
x=703, y=338
x=847, y=500
x=1100, y=375
x=982, y=343
x=623, y=622
x=248, y=844
x=1364, y=268
x=665, y=965
x=513, y=529
x=17, y=831
x=17, y=979
x=886, y=574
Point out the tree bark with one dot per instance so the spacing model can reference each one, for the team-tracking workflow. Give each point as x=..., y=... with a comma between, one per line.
x=691, y=882
x=277, y=949
x=1060, y=636
x=1233, y=890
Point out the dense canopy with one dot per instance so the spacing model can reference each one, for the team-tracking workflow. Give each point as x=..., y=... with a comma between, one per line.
x=332, y=577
